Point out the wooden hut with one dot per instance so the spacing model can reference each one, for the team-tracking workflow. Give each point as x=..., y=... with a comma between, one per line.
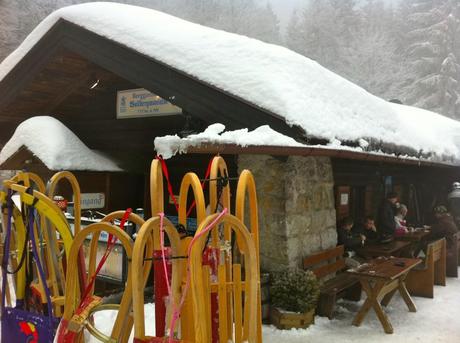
x=350, y=147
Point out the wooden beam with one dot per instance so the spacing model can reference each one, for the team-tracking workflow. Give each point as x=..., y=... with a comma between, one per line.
x=30, y=65
x=83, y=79
x=158, y=124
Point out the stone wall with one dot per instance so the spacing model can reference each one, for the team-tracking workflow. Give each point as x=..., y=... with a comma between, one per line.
x=296, y=207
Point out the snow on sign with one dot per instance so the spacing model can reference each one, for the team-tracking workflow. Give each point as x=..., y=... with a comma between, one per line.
x=92, y=200
x=137, y=103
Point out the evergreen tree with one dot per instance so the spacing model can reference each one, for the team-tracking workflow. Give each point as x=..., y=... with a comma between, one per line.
x=238, y=16
x=355, y=41
x=35, y=11
x=376, y=62
x=321, y=34
x=265, y=25
x=433, y=51
x=375, y=66
x=293, y=38
x=324, y=32
x=8, y=28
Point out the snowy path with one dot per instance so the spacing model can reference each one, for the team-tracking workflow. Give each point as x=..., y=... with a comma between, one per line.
x=436, y=321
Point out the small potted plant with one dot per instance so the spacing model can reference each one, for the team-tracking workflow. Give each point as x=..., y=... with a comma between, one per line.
x=294, y=295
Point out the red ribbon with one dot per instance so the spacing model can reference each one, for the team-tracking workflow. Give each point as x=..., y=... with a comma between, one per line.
x=164, y=168
x=166, y=174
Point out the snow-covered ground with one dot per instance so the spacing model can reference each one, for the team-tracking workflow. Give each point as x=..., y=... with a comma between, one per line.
x=436, y=320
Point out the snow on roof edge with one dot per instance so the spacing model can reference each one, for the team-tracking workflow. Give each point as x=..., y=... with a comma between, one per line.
x=171, y=145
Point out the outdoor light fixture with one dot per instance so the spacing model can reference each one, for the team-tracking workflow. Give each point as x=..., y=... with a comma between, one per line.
x=188, y=126
x=94, y=84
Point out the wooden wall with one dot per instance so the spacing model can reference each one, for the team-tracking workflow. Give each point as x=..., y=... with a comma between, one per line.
x=419, y=187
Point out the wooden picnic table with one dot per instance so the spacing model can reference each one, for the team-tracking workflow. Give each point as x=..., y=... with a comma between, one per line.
x=414, y=236
x=417, y=240
x=380, y=279
x=394, y=248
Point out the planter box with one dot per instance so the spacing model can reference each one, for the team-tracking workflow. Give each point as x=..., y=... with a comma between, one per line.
x=288, y=320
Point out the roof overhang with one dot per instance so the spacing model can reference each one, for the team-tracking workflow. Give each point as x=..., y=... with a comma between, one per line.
x=196, y=97
x=209, y=148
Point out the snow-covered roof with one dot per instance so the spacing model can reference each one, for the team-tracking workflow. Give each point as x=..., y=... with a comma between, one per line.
x=215, y=139
x=280, y=81
x=56, y=146
x=432, y=126
x=171, y=145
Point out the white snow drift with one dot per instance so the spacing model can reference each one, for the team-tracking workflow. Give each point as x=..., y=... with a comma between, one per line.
x=171, y=145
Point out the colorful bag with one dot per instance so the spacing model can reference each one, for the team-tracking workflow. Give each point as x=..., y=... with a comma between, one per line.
x=21, y=326
x=18, y=325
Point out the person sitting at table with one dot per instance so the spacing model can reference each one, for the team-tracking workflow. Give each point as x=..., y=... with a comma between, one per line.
x=350, y=240
x=386, y=224
x=347, y=237
x=401, y=224
x=368, y=229
x=444, y=227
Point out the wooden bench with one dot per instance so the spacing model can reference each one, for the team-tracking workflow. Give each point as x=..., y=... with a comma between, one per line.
x=327, y=265
x=420, y=280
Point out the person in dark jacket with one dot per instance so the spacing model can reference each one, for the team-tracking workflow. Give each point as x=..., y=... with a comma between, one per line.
x=348, y=238
x=454, y=202
x=444, y=227
x=368, y=229
x=386, y=224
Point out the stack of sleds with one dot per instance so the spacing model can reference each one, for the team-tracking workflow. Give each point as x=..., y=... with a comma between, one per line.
x=206, y=285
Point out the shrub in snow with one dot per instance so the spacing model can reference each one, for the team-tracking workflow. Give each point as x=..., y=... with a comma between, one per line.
x=295, y=290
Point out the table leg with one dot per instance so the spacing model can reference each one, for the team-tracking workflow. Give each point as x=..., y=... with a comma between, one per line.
x=366, y=285
x=373, y=293
x=405, y=295
x=387, y=298
x=382, y=317
x=362, y=312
